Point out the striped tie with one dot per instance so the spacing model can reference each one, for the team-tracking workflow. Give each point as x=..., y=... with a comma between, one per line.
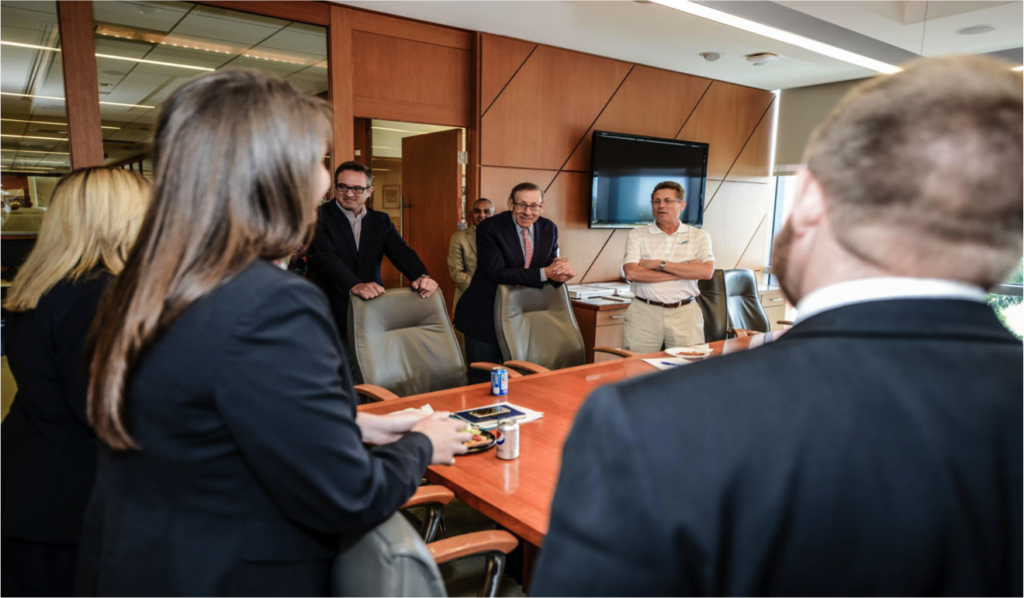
x=527, y=247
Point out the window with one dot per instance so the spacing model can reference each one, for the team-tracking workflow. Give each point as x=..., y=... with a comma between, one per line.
x=145, y=50
x=1008, y=302
x=33, y=119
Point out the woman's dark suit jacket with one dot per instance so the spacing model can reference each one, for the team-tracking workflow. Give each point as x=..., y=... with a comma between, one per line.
x=251, y=464
x=49, y=450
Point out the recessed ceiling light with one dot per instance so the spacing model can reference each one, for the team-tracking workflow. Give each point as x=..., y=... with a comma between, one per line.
x=34, y=152
x=31, y=137
x=976, y=29
x=712, y=56
x=787, y=37
x=125, y=58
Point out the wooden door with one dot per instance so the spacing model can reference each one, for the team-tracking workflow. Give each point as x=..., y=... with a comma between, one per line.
x=432, y=200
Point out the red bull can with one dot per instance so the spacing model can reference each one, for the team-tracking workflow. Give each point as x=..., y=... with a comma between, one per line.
x=499, y=382
x=508, y=439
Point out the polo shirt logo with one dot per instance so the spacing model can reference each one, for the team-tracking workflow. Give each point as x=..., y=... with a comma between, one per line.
x=683, y=242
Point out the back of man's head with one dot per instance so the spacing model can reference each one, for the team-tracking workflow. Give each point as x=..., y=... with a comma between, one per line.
x=922, y=170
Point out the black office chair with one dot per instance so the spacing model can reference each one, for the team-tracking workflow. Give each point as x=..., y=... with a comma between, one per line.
x=746, y=315
x=713, y=305
x=537, y=331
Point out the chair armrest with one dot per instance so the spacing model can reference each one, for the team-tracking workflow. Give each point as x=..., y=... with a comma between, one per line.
x=785, y=322
x=619, y=352
x=375, y=392
x=472, y=544
x=487, y=366
x=526, y=366
x=429, y=495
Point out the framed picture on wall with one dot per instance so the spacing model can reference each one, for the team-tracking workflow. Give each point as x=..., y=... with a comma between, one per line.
x=392, y=197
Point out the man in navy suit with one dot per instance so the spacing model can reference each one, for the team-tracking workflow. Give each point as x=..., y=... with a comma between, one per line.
x=875, y=448
x=351, y=241
x=517, y=247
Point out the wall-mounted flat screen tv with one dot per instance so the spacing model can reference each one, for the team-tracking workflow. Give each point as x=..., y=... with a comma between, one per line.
x=626, y=169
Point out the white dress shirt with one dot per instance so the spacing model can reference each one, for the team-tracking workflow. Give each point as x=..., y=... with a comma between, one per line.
x=355, y=221
x=649, y=242
x=882, y=289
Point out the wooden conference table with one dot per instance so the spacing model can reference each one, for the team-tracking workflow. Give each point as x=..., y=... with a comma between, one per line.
x=517, y=494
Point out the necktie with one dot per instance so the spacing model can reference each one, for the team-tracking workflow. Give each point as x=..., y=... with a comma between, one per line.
x=527, y=247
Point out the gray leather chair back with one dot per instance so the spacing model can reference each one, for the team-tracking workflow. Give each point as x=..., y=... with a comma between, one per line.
x=537, y=325
x=745, y=310
x=404, y=343
x=389, y=560
x=713, y=305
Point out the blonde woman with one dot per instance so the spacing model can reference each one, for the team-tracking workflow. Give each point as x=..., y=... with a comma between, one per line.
x=49, y=449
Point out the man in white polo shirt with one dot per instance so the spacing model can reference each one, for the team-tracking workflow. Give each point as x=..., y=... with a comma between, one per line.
x=663, y=262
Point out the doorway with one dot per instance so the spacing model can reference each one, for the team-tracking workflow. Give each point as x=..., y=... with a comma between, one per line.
x=420, y=183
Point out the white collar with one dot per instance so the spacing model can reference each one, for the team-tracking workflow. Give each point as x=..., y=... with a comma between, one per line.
x=654, y=230
x=348, y=213
x=879, y=289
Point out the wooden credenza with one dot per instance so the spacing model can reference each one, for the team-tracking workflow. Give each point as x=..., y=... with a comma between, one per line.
x=601, y=325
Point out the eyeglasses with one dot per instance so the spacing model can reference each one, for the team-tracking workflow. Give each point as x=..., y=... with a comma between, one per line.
x=531, y=207
x=659, y=202
x=344, y=189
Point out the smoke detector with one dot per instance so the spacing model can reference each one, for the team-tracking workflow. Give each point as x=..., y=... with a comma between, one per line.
x=712, y=56
x=762, y=58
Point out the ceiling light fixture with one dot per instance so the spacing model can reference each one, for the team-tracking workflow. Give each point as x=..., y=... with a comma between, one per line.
x=27, y=95
x=46, y=122
x=21, y=151
x=399, y=130
x=112, y=57
x=976, y=29
x=157, y=62
x=1019, y=68
x=31, y=137
x=699, y=10
x=29, y=46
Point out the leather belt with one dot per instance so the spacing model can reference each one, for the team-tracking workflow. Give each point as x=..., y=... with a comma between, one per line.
x=666, y=305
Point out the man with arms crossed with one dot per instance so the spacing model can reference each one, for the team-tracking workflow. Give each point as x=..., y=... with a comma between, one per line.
x=663, y=262
x=517, y=247
x=351, y=241
x=462, y=250
x=875, y=448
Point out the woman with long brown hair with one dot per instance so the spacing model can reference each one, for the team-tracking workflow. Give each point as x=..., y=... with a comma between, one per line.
x=49, y=450
x=232, y=455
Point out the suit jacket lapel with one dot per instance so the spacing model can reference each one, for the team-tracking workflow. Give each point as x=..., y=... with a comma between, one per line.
x=541, y=244
x=471, y=237
x=512, y=238
x=344, y=228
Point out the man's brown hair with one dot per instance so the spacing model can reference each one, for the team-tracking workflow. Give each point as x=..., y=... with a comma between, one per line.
x=680, y=194
x=922, y=170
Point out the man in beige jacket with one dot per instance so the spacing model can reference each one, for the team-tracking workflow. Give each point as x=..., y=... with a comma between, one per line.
x=462, y=251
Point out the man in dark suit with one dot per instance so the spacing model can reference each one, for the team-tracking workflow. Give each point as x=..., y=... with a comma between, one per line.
x=879, y=452
x=517, y=247
x=351, y=241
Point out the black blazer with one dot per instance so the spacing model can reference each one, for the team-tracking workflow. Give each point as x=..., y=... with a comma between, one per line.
x=49, y=449
x=874, y=449
x=500, y=261
x=336, y=266
x=251, y=463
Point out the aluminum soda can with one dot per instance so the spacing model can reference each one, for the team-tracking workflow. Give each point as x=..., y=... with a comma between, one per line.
x=508, y=439
x=499, y=382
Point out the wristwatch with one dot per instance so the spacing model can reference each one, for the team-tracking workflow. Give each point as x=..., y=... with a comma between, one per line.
x=661, y=266
x=424, y=276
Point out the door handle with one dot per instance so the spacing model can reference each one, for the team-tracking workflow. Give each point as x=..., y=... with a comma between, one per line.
x=618, y=317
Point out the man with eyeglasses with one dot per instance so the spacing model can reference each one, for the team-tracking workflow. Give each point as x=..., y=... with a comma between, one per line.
x=351, y=241
x=517, y=247
x=663, y=263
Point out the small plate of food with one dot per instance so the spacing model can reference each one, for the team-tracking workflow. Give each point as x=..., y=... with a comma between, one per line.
x=481, y=441
x=692, y=353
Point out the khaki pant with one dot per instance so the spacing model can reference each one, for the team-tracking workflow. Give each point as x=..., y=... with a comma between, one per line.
x=650, y=328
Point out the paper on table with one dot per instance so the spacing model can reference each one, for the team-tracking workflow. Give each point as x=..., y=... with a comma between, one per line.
x=667, y=363
x=425, y=410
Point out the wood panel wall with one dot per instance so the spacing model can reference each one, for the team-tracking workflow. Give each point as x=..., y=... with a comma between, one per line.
x=539, y=106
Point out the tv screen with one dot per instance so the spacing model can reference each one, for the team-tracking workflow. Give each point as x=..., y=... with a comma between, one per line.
x=627, y=167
